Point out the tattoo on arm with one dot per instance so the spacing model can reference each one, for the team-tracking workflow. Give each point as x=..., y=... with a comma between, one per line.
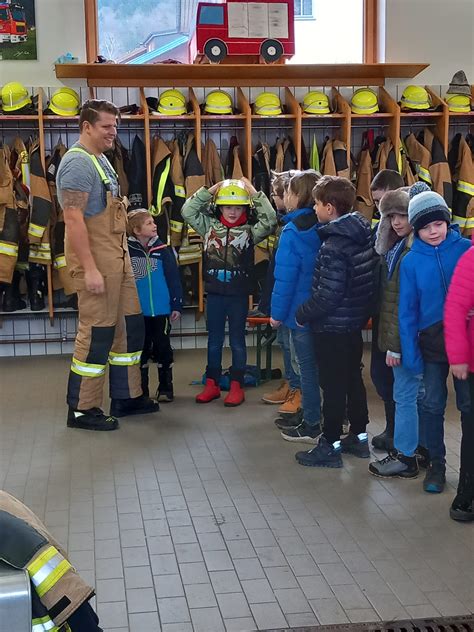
x=74, y=199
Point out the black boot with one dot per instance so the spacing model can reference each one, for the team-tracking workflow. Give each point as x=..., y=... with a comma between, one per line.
x=384, y=441
x=165, y=391
x=144, y=374
x=133, y=406
x=12, y=300
x=435, y=477
x=35, y=280
x=462, y=508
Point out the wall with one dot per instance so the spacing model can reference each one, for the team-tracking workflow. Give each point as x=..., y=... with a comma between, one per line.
x=60, y=29
x=439, y=32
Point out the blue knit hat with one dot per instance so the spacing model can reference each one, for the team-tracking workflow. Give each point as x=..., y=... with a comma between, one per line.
x=427, y=207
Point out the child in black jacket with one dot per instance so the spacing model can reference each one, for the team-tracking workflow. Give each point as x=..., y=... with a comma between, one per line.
x=342, y=294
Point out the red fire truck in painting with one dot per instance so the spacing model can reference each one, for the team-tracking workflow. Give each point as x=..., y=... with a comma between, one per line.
x=13, y=27
x=264, y=28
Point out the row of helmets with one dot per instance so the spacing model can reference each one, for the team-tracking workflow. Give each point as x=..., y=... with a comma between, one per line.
x=64, y=101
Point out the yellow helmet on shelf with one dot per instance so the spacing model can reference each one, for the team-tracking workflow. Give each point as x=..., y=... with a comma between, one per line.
x=458, y=103
x=172, y=102
x=415, y=98
x=364, y=101
x=218, y=102
x=316, y=102
x=232, y=193
x=14, y=96
x=65, y=102
x=268, y=104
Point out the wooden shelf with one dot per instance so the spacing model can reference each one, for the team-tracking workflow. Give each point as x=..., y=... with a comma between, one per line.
x=203, y=75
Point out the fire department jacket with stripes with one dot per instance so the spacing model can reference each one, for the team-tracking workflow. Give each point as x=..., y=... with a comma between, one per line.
x=156, y=276
x=228, y=252
x=59, y=591
x=463, y=179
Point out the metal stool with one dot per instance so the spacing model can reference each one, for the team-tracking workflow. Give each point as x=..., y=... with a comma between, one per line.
x=15, y=599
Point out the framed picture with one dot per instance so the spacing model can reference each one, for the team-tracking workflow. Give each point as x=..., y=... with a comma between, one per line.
x=17, y=30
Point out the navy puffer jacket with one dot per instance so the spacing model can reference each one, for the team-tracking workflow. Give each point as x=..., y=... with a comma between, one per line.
x=343, y=285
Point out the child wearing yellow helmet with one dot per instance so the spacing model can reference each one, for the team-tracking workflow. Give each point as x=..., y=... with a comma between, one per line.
x=221, y=216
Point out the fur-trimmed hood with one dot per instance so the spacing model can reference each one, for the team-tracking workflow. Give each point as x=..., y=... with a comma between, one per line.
x=391, y=203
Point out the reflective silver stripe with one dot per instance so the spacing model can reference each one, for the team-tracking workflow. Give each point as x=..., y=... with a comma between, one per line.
x=424, y=174
x=39, y=577
x=36, y=231
x=87, y=370
x=60, y=262
x=43, y=625
x=125, y=359
x=232, y=198
x=465, y=187
x=8, y=249
x=179, y=190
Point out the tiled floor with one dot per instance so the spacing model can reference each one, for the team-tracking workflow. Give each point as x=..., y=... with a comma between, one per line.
x=200, y=519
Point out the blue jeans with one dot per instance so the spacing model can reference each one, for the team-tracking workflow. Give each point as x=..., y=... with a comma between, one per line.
x=408, y=392
x=433, y=405
x=219, y=309
x=283, y=338
x=303, y=342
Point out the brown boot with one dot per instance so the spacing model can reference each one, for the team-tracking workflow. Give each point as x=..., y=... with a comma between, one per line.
x=279, y=396
x=292, y=403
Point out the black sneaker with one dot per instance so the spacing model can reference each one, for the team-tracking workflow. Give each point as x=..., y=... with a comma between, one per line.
x=435, y=478
x=289, y=421
x=133, y=406
x=324, y=454
x=395, y=466
x=423, y=457
x=304, y=433
x=357, y=445
x=164, y=395
x=91, y=419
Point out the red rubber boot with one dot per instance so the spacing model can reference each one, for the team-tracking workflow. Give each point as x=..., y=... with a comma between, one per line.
x=211, y=391
x=236, y=395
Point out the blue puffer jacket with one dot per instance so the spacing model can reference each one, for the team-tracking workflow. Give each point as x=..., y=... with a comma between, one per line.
x=294, y=264
x=425, y=275
x=156, y=276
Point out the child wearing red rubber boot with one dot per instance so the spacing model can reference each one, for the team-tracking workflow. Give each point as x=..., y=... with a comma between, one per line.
x=232, y=217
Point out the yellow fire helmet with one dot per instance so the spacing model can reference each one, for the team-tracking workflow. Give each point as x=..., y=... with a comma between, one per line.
x=268, y=104
x=172, y=103
x=458, y=103
x=316, y=102
x=415, y=98
x=65, y=102
x=14, y=96
x=218, y=102
x=364, y=101
x=232, y=193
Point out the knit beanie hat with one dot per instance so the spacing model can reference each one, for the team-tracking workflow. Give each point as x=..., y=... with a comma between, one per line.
x=426, y=207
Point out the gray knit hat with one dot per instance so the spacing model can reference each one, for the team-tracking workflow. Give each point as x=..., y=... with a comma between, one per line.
x=459, y=84
x=427, y=207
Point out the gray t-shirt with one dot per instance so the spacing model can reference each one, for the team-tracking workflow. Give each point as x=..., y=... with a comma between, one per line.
x=77, y=172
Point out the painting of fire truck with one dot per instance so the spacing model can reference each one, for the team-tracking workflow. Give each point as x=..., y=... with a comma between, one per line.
x=17, y=30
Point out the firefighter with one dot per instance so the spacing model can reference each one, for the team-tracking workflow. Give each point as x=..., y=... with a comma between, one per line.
x=59, y=596
x=111, y=326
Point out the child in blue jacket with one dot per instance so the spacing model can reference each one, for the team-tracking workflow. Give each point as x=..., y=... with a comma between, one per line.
x=294, y=264
x=161, y=297
x=425, y=275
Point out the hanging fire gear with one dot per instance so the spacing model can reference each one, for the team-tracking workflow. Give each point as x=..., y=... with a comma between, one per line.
x=463, y=180
x=431, y=164
x=179, y=196
x=233, y=168
x=386, y=158
x=38, y=228
x=162, y=187
x=137, y=187
x=365, y=174
x=334, y=160
x=111, y=326
x=211, y=163
x=58, y=592
x=261, y=168
x=314, y=156
x=9, y=224
x=118, y=158
x=61, y=277
x=364, y=101
x=408, y=170
x=192, y=168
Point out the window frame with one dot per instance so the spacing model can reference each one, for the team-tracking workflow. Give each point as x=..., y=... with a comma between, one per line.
x=306, y=17
x=370, y=30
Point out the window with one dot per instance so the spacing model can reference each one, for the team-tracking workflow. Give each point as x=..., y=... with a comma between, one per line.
x=211, y=15
x=304, y=9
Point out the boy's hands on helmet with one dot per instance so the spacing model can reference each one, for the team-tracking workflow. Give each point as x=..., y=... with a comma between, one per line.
x=252, y=191
x=215, y=187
